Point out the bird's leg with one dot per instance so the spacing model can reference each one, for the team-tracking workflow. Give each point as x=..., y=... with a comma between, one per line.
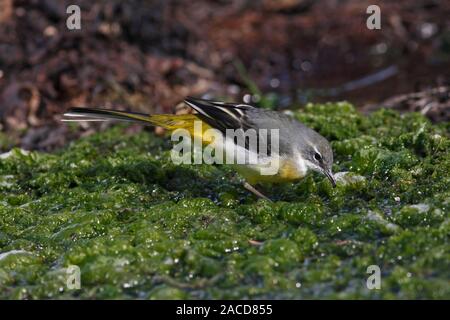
x=250, y=188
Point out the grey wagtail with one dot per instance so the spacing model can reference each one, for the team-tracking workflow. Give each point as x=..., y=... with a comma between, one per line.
x=300, y=148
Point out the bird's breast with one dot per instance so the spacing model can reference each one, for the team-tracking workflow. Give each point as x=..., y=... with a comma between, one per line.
x=288, y=170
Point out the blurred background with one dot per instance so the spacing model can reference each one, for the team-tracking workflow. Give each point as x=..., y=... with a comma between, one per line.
x=148, y=55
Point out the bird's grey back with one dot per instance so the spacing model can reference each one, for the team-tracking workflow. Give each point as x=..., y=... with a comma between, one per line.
x=292, y=133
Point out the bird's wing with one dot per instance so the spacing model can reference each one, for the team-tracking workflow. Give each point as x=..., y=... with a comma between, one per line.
x=221, y=115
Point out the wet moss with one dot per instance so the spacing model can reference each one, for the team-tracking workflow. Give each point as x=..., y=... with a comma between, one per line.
x=139, y=226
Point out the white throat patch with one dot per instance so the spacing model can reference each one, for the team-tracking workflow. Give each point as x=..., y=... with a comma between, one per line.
x=301, y=164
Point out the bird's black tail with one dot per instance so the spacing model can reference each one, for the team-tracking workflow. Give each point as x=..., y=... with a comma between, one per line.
x=94, y=114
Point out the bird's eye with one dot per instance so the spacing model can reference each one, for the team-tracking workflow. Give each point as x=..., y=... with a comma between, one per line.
x=317, y=156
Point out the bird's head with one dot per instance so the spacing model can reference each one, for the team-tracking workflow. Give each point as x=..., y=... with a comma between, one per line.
x=317, y=153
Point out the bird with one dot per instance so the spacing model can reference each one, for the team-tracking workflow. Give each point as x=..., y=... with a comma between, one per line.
x=299, y=149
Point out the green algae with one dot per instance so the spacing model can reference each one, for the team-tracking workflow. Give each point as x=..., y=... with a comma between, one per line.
x=139, y=226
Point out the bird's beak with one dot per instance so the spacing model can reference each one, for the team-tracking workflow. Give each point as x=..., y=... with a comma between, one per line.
x=330, y=176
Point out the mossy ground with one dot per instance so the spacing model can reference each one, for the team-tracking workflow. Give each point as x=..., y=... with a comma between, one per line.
x=139, y=226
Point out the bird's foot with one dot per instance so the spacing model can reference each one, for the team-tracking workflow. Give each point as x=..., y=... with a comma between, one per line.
x=250, y=188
